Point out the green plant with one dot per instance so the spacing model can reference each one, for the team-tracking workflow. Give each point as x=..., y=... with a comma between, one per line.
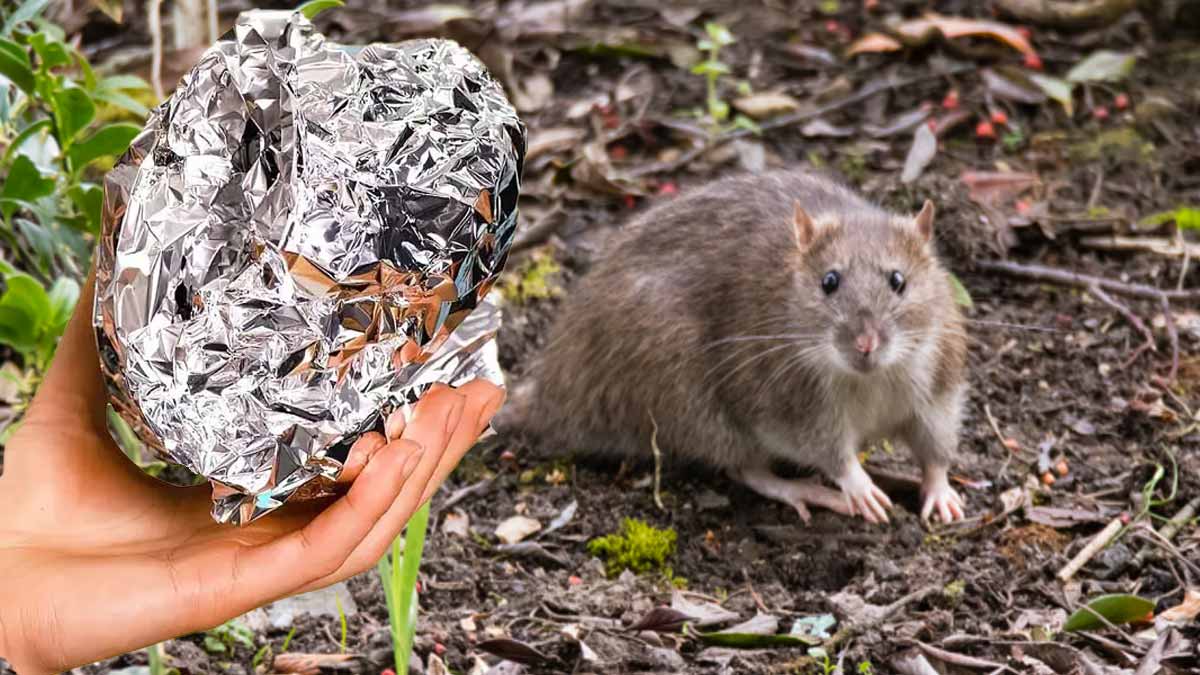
x=826, y=665
x=154, y=658
x=399, y=576
x=713, y=69
x=50, y=104
x=865, y=668
x=341, y=620
x=287, y=641
x=637, y=546
x=227, y=637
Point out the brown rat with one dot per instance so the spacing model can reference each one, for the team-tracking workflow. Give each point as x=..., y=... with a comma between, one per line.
x=770, y=317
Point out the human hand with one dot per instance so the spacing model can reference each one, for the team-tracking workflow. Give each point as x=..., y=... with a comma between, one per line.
x=97, y=558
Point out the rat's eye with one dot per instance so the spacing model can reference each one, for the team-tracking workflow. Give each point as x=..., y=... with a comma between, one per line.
x=829, y=283
x=896, y=281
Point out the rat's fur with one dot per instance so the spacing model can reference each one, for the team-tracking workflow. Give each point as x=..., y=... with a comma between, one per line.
x=663, y=330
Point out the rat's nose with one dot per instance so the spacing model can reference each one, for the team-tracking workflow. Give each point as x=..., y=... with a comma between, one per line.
x=867, y=342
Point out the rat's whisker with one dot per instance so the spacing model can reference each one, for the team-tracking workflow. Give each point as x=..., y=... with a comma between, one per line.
x=1014, y=326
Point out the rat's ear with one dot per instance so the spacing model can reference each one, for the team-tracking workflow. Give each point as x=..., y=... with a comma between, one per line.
x=803, y=226
x=924, y=221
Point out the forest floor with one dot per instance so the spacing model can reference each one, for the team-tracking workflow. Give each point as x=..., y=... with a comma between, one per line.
x=1069, y=424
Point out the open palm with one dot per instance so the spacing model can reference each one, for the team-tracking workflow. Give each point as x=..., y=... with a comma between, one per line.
x=96, y=558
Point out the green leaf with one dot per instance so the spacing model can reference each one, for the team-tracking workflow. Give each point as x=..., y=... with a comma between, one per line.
x=24, y=308
x=123, y=82
x=121, y=100
x=1103, y=66
x=214, y=645
x=719, y=110
x=51, y=52
x=1059, y=90
x=89, y=199
x=314, y=7
x=40, y=126
x=710, y=67
x=41, y=239
x=24, y=183
x=24, y=12
x=63, y=296
x=74, y=110
x=107, y=141
x=1117, y=609
x=743, y=122
x=89, y=75
x=16, y=68
x=719, y=34
x=962, y=297
x=1187, y=218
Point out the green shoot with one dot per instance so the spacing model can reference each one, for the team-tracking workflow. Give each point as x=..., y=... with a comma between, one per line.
x=287, y=641
x=399, y=577
x=712, y=68
x=337, y=598
x=314, y=7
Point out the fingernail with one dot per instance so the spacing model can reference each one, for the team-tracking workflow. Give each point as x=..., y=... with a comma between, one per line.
x=411, y=463
x=455, y=414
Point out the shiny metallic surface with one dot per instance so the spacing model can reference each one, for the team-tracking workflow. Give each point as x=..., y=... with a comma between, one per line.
x=301, y=241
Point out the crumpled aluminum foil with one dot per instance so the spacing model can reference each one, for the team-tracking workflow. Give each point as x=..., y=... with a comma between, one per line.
x=301, y=241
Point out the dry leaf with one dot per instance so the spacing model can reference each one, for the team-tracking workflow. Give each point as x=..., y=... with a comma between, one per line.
x=1186, y=610
x=766, y=104
x=553, y=139
x=993, y=188
x=456, y=524
x=308, y=664
x=918, y=31
x=924, y=149
x=516, y=528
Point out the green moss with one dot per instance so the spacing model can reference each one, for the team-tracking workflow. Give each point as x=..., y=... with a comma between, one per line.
x=1113, y=145
x=638, y=546
x=533, y=280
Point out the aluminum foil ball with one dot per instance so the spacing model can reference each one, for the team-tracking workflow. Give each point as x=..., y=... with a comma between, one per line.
x=301, y=240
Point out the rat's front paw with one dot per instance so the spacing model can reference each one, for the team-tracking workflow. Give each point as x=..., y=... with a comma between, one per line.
x=863, y=496
x=941, y=497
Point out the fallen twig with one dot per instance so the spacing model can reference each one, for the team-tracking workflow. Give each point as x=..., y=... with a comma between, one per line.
x=1133, y=319
x=848, y=632
x=1093, y=547
x=787, y=120
x=657, y=465
x=1090, y=282
x=154, y=23
x=1068, y=14
x=1169, y=529
x=1078, y=280
x=1173, y=248
x=959, y=659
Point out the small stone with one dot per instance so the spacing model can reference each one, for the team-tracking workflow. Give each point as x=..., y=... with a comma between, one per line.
x=282, y=614
x=456, y=524
x=766, y=104
x=516, y=528
x=711, y=501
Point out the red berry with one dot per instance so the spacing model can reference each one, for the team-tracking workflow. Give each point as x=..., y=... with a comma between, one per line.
x=574, y=580
x=668, y=188
x=618, y=152
x=985, y=130
x=1025, y=32
x=630, y=202
x=387, y=671
x=439, y=648
x=870, y=4
x=998, y=117
x=950, y=102
x=1033, y=61
x=1100, y=112
x=1022, y=206
x=1121, y=101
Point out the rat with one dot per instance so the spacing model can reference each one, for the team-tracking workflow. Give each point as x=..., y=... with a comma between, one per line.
x=758, y=318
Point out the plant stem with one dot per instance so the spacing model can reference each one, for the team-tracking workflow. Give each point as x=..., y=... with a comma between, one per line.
x=155, y=658
x=399, y=577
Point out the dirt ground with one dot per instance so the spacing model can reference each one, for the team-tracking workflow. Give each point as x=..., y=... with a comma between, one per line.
x=1052, y=384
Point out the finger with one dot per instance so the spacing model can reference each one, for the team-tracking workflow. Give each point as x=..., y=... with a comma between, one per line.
x=73, y=387
x=944, y=510
x=958, y=512
x=484, y=400
x=429, y=428
x=393, y=427
x=883, y=497
x=360, y=454
x=322, y=546
x=927, y=509
x=878, y=506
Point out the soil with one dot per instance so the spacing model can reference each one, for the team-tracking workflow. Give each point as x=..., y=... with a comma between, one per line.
x=1050, y=364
